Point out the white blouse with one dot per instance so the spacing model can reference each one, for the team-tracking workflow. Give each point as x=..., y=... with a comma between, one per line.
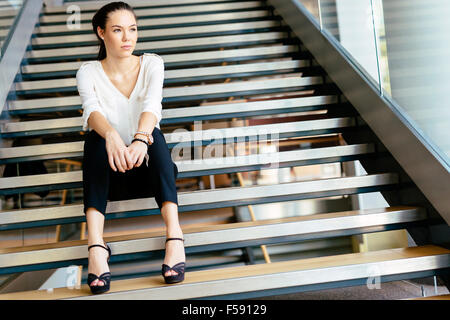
x=98, y=93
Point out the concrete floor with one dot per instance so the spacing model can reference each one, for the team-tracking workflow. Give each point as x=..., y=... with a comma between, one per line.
x=395, y=290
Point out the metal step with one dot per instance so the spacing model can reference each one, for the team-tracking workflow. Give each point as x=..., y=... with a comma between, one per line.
x=173, y=76
x=6, y=22
x=217, y=237
x=180, y=59
x=153, y=34
x=180, y=115
x=145, y=8
x=200, y=199
x=268, y=279
x=265, y=132
x=188, y=93
x=8, y=13
x=164, y=45
x=75, y=149
x=157, y=23
x=216, y=165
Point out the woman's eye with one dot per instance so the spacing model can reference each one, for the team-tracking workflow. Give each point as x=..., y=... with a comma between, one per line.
x=119, y=30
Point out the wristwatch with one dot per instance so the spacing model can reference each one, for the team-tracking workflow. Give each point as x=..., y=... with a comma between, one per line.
x=147, y=134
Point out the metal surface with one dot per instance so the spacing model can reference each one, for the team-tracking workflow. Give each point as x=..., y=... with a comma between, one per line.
x=281, y=280
x=43, y=149
x=185, y=92
x=236, y=232
x=73, y=40
x=139, y=6
x=203, y=165
x=326, y=285
x=203, y=42
x=158, y=22
x=428, y=171
x=202, y=199
x=180, y=58
x=186, y=114
x=260, y=132
x=179, y=73
x=6, y=22
x=8, y=13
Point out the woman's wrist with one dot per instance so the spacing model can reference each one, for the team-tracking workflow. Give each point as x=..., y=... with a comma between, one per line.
x=110, y=132
x=141, y=136
x=138, y=140
x=148, y=136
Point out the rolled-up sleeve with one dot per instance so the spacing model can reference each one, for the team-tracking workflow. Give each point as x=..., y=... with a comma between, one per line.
x=88, y=96
x=154, y=95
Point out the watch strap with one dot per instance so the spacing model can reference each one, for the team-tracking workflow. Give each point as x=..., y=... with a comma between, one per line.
x=147, y=134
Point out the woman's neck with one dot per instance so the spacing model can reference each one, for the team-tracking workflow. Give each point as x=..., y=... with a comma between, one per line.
x=120, y=66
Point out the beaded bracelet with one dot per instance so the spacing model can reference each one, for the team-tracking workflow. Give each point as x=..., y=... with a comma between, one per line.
x=147, y=134
x=137, y=139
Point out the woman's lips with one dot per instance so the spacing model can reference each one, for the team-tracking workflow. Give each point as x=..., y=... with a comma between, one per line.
x=126, y=47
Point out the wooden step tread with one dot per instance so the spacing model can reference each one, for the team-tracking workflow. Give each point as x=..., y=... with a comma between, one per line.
x=438, y=297
x=182, y=112
x=185, y=92
x=214, y=278
x=187, y=231
x=178, y=58
x=223, y=197
x=230, y=235
x=76, y=148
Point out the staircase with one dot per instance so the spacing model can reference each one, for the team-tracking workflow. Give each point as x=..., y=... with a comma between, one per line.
x=231, y=66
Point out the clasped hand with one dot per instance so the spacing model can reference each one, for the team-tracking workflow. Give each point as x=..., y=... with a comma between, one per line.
x=122, y=157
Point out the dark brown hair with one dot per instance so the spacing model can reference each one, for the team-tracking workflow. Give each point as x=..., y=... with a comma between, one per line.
x=101, y=17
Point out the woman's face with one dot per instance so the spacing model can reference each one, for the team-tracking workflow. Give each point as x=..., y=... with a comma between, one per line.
x=120, y=31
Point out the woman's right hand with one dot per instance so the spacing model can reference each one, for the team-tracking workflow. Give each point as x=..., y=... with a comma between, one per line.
x=118, y=154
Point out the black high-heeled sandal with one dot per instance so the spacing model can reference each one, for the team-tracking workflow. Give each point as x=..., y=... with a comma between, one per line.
x=178, y=268
x=104, y=277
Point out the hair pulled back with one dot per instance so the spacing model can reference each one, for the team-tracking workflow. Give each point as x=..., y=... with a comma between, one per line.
x=101, y=17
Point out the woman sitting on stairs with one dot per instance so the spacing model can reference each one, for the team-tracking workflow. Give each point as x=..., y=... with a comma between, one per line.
x=121, y=96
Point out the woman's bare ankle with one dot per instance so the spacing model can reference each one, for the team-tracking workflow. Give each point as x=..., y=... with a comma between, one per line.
x=174, y=232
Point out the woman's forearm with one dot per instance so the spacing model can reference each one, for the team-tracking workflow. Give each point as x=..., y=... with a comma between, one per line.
x=100, y=124
x=147, y=122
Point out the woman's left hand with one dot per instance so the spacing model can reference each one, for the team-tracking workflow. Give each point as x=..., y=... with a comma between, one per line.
x=137, y=151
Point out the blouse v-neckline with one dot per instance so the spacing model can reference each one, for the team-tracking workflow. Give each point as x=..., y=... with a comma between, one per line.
x=112, y=84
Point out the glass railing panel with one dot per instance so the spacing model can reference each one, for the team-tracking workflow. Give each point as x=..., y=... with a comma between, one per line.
x=416, y=55
x=9, y=11
x=402, y=47
x=312, y=6
x=350, y=22
x=380, y=39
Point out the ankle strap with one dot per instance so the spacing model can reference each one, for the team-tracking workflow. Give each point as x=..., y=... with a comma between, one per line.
x=174, y=239
x=97, y=245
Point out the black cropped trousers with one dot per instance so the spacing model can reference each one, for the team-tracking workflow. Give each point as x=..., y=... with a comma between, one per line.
x=102, y=183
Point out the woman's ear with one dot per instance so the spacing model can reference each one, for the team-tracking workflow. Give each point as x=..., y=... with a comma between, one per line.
x=100, y=33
